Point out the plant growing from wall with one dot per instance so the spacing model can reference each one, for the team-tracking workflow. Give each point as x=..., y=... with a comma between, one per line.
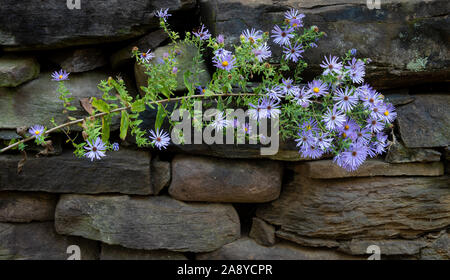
x=333, y=114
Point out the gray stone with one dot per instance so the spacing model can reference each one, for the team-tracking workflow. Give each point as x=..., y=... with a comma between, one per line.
x=425, y=123
x=306, y=241
x=327, y=169
x=397, y=37
x=398, y=98
x=148, y=42
x=398, y=153
x=262, y=232
x=387, y=247
x=36, y=102
x=439, y=249
x=224, y=180
x=80, y=60
x=361, y=208
x=68, y=174
x=19, y=207
x=161, y=174
x=51, y=24
x=184, y=61
x=39, y=241
x=15, y=70
x=248, y=249
x=114, y=252
x=150, y=223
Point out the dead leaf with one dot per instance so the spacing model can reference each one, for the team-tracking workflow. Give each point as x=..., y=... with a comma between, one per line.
x=21, y=162
x=22, y=131
x=48, y=149
x=86, y=104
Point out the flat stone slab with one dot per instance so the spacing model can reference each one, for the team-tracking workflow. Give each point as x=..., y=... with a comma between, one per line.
x=125, y=171
x=225, y=180
x=20, y=207
x=39, y=241
x=16, y=70
x=326, y=169
x=114, y=252
x=150, y=223
x=361, y=208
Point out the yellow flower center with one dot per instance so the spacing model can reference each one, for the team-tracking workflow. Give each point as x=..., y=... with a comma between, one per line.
x=316, y=89
x=294, y=25
x=386, y=113
x=224, y=63
x=203, y=90
x=246, y=129
x=308, y=127
x=344, y=135
x=347, y=127
x=60, y=76
x=37, y=132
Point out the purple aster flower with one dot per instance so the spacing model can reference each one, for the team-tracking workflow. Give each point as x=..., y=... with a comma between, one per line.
x=313, y=45
x=334, y=119
x=364, y=91
x=356, y=70
x=252, y=35
x=147, y=55
x=163, y=14
x=246, y=128
x=282, y=37
x=236, y=123
x=381, y=143
x=312, y=151
x=339, y=160
x=371, y=150
x=374, y=124
x=174, y=70
x=389, y=113
x=36, y=130
x=378, y=110
x=220, y=53
x=355, y=156
x=60, y=76
x=202, y=33
x=257, y=112
x=220, y=122
x=310, y=125
x=220, y=39
x=345, y=99
x=306, y=138
x=331, y=65
x=302, y=97
x=318, y=88
x=200, y=90
x=370, y=98
x=115, y=147
x=271, y=108
x=274, y=92
x=349, y=129
x=262, y=52
x=288, y=88
x=296, y=23
x=225, y=62
x=353, y=52
x=362, y=136
x=160, y=139
x=96, y=150
x=323, y=141
x=293, y=52
x=293, y=14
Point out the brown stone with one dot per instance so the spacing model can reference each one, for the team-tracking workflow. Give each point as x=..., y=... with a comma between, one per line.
x=149, y=223
x=161, y=174
x=327, y=169
x=114, y=252
x=366, y=208
x=19, y=207
x=306, y=241
x=398, y=153
x=387, y=247
x=262, y=232
x=224, y=180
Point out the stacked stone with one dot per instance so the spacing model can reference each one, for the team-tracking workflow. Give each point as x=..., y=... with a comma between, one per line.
x=223, y=201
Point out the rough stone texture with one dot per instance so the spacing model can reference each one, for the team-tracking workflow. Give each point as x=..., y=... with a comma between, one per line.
x=50, y=24
x=149, y=223
x=80, y=60
x=15, y=70
x=395, y=37
x=248, y=249
x=36, y=102
x=438, y=250
x=262, y=232
x=184, y=61
x=39, y=241
x=113, y=252
x=326, y=169
x=125, y=171
x=398, y=97
x=425, y=122
x=26, y=207
x=161, y=172
x=366, y=208
x=149, y=41
x=398, y=153
x=221, y=180
x=387, y=247
x=306, y=241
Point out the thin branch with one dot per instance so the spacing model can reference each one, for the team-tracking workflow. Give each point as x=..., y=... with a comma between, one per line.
x=118, y=110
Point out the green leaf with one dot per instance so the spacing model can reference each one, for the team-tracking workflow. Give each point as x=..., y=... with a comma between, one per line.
x=106, y=121
x=138, y=106
x=188, y=85
x=71, y=108
x=100, y=105
x=160, y=116
x=124, y=123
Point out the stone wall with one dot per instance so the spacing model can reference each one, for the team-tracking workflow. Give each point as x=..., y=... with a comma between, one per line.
x=222, y=201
